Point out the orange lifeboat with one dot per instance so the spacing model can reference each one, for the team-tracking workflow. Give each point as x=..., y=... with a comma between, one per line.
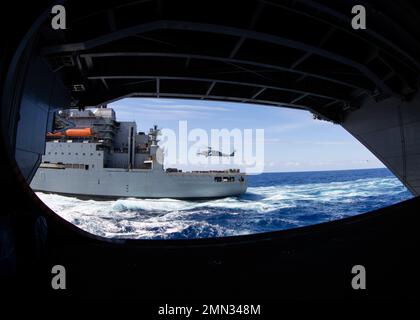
x=85, y=132
x=82, y=132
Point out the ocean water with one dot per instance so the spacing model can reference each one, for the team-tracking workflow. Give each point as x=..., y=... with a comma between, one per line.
x=273, y=201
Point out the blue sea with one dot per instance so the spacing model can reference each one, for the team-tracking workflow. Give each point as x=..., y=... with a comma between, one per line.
x=273, y=201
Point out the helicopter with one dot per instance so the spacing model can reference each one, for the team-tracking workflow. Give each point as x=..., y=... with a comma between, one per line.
x=214, y=153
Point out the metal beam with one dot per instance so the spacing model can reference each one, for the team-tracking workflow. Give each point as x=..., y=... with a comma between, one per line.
x=243, y=69
x=220, y=29
x=247, y=84
x=299, y=98
x=105, y=84
x=155, y=40
x=88, y=61
x=258, y=93
x=329, y=104
x=254, y=20
x=308, y=54
x=79, y=65
x=209, y=89
x=220, y=59
x=346, y=21
x=224, y=98
x=195, y=96
x=254, y=96
x=237, y=46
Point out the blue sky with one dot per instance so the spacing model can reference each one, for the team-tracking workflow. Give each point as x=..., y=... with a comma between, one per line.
x=293, y=140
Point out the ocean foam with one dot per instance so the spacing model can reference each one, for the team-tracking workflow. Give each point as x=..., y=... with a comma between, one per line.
x=262, y=208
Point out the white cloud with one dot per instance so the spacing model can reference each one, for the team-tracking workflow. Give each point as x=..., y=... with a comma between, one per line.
x=164, y=109
x=165, y=104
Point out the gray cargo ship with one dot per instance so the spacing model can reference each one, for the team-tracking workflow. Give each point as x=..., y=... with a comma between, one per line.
x=92, y=155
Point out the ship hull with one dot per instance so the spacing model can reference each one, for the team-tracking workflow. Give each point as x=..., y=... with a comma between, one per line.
x=119, y=183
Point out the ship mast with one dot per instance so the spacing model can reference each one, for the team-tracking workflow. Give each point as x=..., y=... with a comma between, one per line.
x=153, y=134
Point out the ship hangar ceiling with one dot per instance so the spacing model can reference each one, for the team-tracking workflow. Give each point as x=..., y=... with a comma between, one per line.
x=300, y=54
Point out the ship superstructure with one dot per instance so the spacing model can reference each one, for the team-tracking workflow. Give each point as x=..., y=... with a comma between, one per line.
x=93, y=155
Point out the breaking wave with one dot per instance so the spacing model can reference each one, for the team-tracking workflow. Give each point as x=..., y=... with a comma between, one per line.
x=274, y=201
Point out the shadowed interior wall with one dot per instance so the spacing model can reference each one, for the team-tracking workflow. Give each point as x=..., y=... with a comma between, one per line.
x=42, y=93
x=390, y=129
